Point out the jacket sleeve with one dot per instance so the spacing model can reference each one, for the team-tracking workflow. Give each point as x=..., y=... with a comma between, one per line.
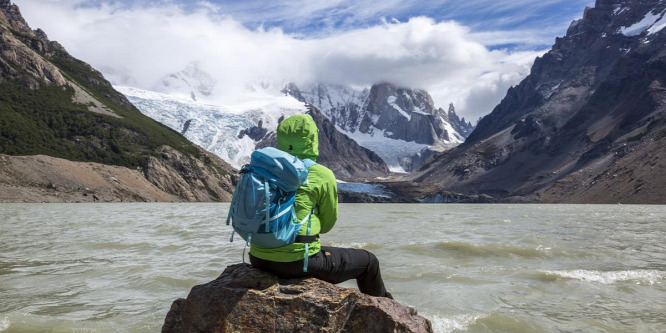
x=327, y=206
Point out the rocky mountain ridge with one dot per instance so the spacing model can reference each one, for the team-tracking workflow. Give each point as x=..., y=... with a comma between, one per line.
x=338, y=152
x=183, y=101
x=401, y=113
x=587, y=125
x=234, y=134
x=387, y=115
x=54, y=104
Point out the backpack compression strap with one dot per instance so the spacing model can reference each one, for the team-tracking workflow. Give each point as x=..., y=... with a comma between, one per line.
x=308, y=163
x=307, y=244
x=233, y=201
x=231, y=209
x=267, y=193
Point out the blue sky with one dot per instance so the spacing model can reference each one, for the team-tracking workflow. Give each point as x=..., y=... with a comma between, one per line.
x=319, y=18
x=465, y=52
x=314, y=18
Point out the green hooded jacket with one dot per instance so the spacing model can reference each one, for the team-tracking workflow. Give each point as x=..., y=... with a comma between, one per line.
x=298, y=135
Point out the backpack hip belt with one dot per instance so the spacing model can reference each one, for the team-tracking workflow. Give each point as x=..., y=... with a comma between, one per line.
x=306, y=239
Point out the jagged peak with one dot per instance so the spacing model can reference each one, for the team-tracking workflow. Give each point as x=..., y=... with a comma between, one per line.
x=5, y=4
x=39, y=33
x=407, y=92
x=12, y=11
x=13, y=14
x=610, y=17
x=585, y=12
x=452, y=109
x=291, y=89
x=290, y=86
x=391, y=85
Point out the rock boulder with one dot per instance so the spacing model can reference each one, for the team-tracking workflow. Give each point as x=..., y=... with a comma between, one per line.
x=245, y=299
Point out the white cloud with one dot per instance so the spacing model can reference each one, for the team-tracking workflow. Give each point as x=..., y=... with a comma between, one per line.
x=149, y=42
x=476, y=95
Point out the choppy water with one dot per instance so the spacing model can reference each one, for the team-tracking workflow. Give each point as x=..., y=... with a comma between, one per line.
x=470, y=268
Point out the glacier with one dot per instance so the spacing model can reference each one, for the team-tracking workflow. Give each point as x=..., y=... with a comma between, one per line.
x=216, y=128
x=181, y=102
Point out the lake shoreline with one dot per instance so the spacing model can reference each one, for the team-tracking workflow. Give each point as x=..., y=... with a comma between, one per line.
x=521, y=268
x=43, y=179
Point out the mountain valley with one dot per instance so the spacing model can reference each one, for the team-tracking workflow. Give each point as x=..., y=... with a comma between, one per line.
x=587, y=125
x=58, y=114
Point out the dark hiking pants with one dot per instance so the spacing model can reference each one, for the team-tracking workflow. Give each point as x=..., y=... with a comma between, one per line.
x=334, y=265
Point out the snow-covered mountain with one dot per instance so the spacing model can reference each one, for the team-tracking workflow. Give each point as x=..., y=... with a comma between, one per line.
x=399, y=124
x=219, y=129
x=193, y=82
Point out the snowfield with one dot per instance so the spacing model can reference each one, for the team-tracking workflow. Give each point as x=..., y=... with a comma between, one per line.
x=214, y=127
x=217, y=127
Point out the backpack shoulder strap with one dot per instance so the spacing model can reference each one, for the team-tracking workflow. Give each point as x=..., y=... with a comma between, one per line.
x=308, y=162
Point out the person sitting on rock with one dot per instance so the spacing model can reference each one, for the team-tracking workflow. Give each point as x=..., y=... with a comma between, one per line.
x=298, y=135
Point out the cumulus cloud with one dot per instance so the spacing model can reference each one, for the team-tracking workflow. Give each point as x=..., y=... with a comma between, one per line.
x=141, y=44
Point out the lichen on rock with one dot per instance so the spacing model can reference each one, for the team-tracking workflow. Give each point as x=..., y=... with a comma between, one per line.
x=245, y=299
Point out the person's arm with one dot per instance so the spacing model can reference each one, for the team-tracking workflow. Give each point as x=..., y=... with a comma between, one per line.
x=327, y=206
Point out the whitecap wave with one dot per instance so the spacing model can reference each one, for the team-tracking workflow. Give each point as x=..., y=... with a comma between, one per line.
x=467, y=249
x=353, y=245
x=4, y=324
x=649, y=277
x=455, y=323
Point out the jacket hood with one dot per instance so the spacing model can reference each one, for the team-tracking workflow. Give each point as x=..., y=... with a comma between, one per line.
x=298, y=135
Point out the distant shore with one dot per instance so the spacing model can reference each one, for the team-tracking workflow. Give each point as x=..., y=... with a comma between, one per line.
x=43, y=178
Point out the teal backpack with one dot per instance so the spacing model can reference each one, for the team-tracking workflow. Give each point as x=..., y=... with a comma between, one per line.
x=262, y=207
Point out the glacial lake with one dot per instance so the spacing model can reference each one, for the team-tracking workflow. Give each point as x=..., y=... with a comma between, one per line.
x=468, y=268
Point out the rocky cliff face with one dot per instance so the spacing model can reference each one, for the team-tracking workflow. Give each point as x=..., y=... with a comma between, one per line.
x=399, y=113
x=587, y=125
x=53, y=104
x=205, y=178
x=21, y=56
x=40, y=178
x=245, y=299
x=401, y=125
